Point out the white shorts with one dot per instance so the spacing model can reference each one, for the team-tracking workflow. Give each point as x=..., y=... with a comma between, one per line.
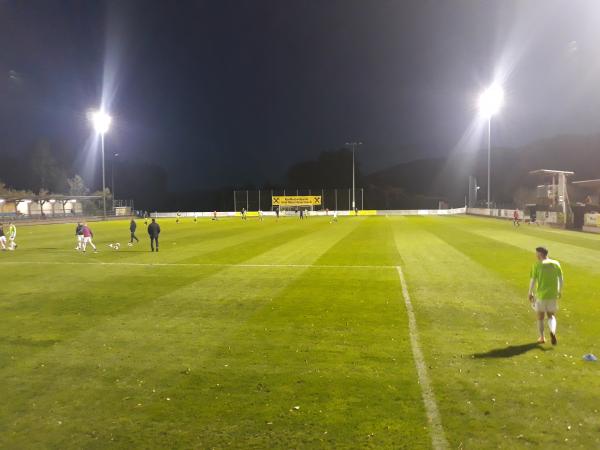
x=87, y=240
x=3, y=239
x=546, y=306
x=80, y=238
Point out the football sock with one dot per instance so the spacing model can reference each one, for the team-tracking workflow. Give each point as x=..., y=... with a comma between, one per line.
x=541, y=327
x=552, y=324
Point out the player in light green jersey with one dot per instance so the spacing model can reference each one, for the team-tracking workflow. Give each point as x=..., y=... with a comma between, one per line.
x=545, y=289
x=12, y=236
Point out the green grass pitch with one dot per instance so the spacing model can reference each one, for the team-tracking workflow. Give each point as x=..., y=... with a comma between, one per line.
x=294, y=334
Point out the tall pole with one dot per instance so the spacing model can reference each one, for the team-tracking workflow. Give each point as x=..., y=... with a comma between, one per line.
x=362, y=198
x=353, y=145
x=353, y=178
x=335, y=193
x=112, y=177
x=103, y=176
x=489, y=161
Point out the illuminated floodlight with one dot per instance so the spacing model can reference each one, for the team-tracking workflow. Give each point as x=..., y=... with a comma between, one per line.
x=491, y=100
x=52, y=200
x=72, y=201
x=1, y=200
x=101, y=121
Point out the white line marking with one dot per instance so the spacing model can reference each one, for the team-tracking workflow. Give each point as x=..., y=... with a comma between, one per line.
x=438, y=438
x=257, y=266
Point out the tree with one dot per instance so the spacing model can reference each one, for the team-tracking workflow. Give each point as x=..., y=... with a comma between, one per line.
x=77, y=186
x=46, y=172
x=332, y=169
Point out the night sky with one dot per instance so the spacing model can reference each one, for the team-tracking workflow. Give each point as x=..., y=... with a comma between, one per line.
x=235, y=91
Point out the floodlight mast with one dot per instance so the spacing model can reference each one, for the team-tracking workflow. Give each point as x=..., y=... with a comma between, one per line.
x=490, y=103
x=101, y=122
x=353, y=145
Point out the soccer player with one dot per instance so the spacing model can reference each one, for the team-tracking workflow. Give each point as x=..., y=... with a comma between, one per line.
x=12, y=236
x=260, y=215
x=277, y=213
x=195, y=217
x=132, y=228
x=516, y=222
x=214, y=215
x=2, y=238
x=87, y=238
x=153, y=232
x=178, y=216
x=334, y=219
x=545, y=288
x=79, y=235
x=244, y=216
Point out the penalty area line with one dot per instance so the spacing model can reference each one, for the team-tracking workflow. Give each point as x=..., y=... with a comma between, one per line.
x=438, y=437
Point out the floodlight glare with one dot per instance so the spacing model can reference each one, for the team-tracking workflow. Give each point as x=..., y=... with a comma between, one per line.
x=101, y=121
x=491, y=100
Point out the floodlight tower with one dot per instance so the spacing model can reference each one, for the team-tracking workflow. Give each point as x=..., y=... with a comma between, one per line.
x=490, y=103
x=101, y=122
x=353, y=145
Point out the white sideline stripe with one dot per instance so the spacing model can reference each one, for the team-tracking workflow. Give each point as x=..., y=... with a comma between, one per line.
x=258, y=266
x=438, y=437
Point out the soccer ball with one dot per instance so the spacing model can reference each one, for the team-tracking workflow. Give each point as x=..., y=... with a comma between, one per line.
x=130, y=244
x=115, y=246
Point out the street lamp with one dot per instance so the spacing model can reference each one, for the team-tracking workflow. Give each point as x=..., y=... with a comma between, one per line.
x=353, y=145
x=490, y=103
x=112, y=174
x=101, y=122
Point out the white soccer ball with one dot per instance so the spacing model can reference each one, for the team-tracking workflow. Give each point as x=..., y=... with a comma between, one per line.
x=130, y=244
x=117, y=246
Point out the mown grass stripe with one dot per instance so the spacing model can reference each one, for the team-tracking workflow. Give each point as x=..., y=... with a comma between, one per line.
x=438, y=437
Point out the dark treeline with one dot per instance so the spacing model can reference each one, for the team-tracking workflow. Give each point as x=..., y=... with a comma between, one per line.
x=512, y=185
x=414, y=184
x=47, y=166
x=38, y=167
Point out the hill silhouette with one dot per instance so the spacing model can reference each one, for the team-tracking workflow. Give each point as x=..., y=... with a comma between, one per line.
x=447, y=178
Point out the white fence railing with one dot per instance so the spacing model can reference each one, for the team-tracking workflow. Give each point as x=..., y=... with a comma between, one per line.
x=405, y=212
x=591, y=222
x=549, y=217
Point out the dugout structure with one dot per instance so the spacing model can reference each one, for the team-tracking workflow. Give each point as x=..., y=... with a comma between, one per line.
x=553, y=195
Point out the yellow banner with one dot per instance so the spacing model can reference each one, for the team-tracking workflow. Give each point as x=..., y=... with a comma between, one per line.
x=296, y=200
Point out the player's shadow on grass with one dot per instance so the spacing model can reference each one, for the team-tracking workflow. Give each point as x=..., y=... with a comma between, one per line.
x=510, y=351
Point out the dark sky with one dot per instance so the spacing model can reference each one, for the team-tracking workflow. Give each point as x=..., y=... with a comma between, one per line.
x=219, y=91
